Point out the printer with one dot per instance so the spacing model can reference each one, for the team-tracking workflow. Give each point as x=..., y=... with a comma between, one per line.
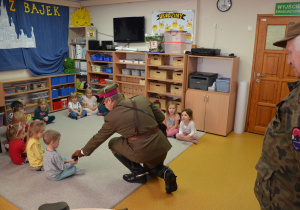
x=202, y=80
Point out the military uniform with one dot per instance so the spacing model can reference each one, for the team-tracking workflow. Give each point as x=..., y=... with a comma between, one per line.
x=121, y=120
x=278, y=180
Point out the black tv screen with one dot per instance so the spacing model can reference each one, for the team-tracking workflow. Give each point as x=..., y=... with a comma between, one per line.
x=129, y=29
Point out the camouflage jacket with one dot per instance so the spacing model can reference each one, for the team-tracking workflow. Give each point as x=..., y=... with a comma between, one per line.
x=281, y=146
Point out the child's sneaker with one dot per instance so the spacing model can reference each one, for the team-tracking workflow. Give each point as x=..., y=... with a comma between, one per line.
x=80, y=171
x=99, y=114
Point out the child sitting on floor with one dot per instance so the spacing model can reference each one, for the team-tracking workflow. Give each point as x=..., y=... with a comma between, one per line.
x=102, y=110
x=15, y=107
x=27, y=116
x=187, y=130
x=158, y=104
x=90, y=102
x=172, y=119
x=17, y=145
x=18, y=117
x=35, y=151
x=56, y=167
x=75, y=108
x=41, y=112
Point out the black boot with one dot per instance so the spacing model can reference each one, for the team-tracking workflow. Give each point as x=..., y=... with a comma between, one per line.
x=168, y=175
x=138, y=175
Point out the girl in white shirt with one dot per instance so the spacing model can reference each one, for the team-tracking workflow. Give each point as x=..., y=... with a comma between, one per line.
x=90, y=102
x=187, y=130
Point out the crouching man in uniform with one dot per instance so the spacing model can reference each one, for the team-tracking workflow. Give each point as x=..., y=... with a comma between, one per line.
x=278, y=179
x=141, y=140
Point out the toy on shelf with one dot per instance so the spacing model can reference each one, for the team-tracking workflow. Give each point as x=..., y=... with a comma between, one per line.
x=160, y=96
x=69, y=65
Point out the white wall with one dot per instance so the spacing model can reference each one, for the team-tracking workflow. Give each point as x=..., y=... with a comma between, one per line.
x=231, y=36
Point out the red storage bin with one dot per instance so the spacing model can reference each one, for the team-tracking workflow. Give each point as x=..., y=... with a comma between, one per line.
x=57, y=105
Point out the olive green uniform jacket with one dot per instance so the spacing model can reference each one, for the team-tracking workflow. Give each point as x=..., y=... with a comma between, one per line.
x=121, y=120
x=278, y=181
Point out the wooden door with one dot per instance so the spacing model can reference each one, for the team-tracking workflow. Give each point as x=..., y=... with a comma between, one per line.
x=216, y=113
x=195, y=100
x=270, y=72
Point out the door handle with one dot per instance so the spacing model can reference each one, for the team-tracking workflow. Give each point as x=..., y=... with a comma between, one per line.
x=207, y=98
x=260, y=75
x=204, y=97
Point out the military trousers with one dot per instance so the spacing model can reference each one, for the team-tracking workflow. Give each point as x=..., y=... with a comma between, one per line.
x=273, y=194
x=120, y=145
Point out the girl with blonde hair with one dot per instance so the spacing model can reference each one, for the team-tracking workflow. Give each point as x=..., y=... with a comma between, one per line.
x=35, y=151
x=42, y=111
x=75, y=108
x=90, y=102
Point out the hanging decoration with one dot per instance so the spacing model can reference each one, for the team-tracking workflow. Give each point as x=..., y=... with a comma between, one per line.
x=182, y=20
x=81, y=17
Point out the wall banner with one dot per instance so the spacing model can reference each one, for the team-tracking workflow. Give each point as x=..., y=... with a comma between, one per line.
x=182, y=20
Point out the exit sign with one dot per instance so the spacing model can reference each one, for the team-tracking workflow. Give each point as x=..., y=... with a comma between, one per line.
x=284, y=9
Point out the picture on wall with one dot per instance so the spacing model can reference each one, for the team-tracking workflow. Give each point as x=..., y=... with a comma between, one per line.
x=181, y=20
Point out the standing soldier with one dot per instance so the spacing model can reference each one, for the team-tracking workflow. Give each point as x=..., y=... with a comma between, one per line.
x=278, y=179
x=141, y=140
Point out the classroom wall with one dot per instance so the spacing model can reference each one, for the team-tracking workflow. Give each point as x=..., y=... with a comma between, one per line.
x=231, y=36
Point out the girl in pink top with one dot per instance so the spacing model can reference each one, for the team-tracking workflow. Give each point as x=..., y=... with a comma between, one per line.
x=90, y=102
x=172, y=119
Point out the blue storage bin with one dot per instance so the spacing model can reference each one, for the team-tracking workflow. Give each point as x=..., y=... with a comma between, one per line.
x=72, y=89
x=63, y=92
x=109, y=70
x=62, y=79
x=54, y=93
x=70, y=78
x=100, y=58
x=93, y=57
x=110, y=58
x=106, y=58
x=223, y=84
x=54, y=81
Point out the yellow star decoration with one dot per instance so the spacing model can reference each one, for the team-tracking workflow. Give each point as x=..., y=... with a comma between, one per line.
x=81, y=17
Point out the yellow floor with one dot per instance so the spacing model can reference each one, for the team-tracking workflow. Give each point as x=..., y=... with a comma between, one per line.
x=218, y=173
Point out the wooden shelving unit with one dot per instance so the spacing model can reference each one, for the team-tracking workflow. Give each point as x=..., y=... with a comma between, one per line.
x=26, y=94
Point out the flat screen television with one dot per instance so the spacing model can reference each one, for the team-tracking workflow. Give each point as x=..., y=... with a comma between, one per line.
x=129, y=29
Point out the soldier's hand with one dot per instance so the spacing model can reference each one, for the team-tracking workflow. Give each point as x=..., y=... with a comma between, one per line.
x=77, y=153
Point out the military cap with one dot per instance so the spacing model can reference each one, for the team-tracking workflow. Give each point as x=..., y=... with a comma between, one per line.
x=292, y=32
x=108, y=91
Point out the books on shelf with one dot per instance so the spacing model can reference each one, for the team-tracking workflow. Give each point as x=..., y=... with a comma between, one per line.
x=78, y=51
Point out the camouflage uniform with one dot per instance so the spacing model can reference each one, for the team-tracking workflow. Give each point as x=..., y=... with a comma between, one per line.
x=277, y=184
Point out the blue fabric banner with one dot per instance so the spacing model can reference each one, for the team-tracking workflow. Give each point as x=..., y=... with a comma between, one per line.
x=34, y=36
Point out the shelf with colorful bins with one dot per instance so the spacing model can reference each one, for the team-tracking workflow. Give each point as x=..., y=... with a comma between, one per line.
x=101, y=71
x=166, y=79
x=62, y=87
x=30, y=92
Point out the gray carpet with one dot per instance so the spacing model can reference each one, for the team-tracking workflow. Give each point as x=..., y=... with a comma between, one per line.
x=101, y=186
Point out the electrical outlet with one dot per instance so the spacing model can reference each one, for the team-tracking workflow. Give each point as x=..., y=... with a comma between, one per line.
x=216, y=25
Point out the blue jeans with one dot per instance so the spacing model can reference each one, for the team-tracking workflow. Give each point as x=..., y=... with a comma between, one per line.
x=66, y=173
x=103, y=110
x=74, y=115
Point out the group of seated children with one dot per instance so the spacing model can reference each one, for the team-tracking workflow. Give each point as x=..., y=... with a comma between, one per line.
x=24, y=141
x=187, y=130
x=22, y=150
x=90, y=105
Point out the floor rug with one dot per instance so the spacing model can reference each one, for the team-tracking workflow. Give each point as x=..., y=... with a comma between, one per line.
x=101, y=186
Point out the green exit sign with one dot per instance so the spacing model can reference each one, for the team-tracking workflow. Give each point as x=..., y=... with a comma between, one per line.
x=292, y=8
